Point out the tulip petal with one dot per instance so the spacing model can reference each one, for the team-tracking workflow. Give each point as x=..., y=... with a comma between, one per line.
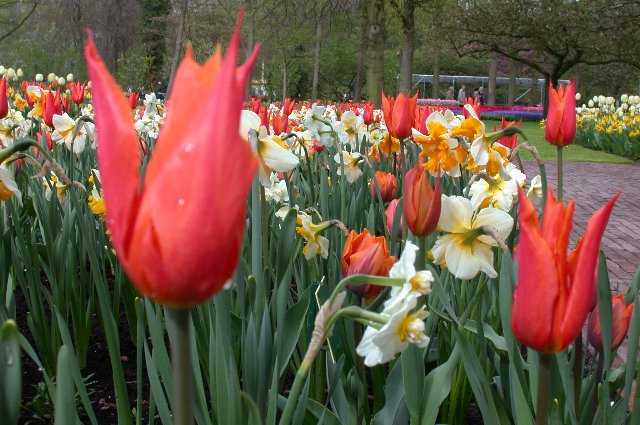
x=118, y=150
x=536, y=293
x=580, y=299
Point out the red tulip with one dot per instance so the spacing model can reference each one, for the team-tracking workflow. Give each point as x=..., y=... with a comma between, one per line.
x=367, y=116
x=398, y=114
x=556, y=289
x=264, y=117
x=560, y=125
x=65, y=104
x=420, y=201
x=509, y=141
x=287, y=106
x=4, y=103
x=178, y=230
x=477, y=108
x=255, y=105
x=420, y=119
x=280, y=122
x=50, y=108
x=386, y=183
x=77, y=92
x=47, y=138
x=364, y=253
x=390, y=214
x=619, y=323
x=133, y=97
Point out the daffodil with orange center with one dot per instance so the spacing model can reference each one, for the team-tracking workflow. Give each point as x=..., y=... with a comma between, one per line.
x=440, y=150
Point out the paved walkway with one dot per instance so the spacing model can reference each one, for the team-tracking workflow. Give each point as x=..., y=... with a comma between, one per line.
x=591, y=185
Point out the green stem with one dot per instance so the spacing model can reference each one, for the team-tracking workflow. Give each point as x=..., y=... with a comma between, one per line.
x=544, y=389
x=422, y=253
x=292, y=401
x=577, y=371
x=256, y=245
x=362, y=279
x=181, y=364
x=560, y=174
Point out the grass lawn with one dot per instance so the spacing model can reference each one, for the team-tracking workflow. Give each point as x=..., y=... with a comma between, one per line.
x=535, y=134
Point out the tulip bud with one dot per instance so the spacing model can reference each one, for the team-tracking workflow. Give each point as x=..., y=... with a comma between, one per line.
x=51, y=77
x=19, y=73
x=386, y=183
x=578, y=96
x=364, y=253
x=560, y=125
x=69, y=77
x=2, y=70
x=390, y=214
x=10, y=74
x=61, y=81
x=367, y=116
x=39, y=78
x=420, y=201
x=621, y=315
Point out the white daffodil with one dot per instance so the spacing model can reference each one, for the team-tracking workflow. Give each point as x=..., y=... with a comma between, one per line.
x=273, y=152
x=534, y=193
x=277, y=191
x=73, y=134
x=352, y=128
x=315, y=243
x=13, y=127
x=499, y=192
x=8, y=186
x=466, y=247
x=351, y=169
x=403, y=327
x=417, y=283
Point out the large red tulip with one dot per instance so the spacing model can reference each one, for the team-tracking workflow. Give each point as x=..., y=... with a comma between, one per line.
x=560, y=125
x=621, y=315
x=178, y=229
x=420, y=201
x=556, y=288
x=77, y=92
x=399, y=114
x=4, y=104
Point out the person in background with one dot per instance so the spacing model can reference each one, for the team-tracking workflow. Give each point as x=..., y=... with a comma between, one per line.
x=476, y=96
x=462, y=95
x=481, y=96
x=450, y=92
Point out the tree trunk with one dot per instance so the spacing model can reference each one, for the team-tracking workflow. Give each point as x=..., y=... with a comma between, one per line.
x=406, y=54
x=284, y=79
x=493, y=74
x=357, y=91
x=178, y=46
x=375, y=62
x=316, y=60
x=435, y=83
x=512, y=84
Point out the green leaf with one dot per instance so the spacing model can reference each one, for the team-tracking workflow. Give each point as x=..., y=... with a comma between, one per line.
x=412, y=361
x=10, y=373
x=437, y=386
x=65, y=406
x=394, y=395
x=290, y=332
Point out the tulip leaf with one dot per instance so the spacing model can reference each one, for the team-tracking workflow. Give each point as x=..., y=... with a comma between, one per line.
x=290, y=331
x=65, y=406
x=632, y=353
x=10, y=373
x=412, y=361
x=394, y=392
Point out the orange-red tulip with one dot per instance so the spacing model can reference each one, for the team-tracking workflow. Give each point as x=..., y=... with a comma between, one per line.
x=509, y=141
x=280, y=123
x=477, y=108
x=420, y=201
x=178, y=229
x=556, y=289
x=77, y=92
x=386, y=183
x=133, y=97
x=364, y=253
x=399, y=114
x=621, y=315
x=367, y=115
x=560, y=125
x=287, y=106
x=4, y=104
x=50, y=108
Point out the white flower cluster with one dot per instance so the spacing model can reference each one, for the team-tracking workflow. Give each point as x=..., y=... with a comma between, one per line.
x=149, y=123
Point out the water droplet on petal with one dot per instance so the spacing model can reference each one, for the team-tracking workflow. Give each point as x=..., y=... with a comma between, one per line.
x=188, y=147
x=181, y=201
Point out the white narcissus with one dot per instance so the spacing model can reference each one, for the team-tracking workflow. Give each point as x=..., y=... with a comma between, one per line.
x=73, y=134
x=466, y=247
x=8, y=186
x=315, y=243
x=535, y=188
x=277, y=191
x=273, y=152
x=350, y=160
x=499, y=192
x=403, y=327
x=417, y=283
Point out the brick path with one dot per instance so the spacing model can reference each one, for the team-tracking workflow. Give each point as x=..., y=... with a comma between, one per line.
x=591, y=185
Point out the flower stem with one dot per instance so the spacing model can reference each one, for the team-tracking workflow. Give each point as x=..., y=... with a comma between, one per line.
x=560, y=174
x=577, y=372
x=181, y=364
x=422, y=253
x=544, y=389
